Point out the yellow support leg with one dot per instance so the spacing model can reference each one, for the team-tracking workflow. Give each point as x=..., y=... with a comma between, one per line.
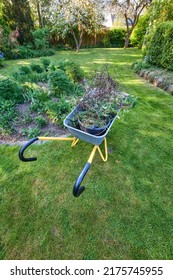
x=104, y=158
x=75, y=141
x=78, y=189
x=92, y=154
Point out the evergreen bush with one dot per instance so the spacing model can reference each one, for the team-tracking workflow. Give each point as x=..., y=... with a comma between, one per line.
x=160, y=49
x=167, y=53
x=40, y=36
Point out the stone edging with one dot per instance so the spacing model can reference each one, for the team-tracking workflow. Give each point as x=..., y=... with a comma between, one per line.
x=156, y=79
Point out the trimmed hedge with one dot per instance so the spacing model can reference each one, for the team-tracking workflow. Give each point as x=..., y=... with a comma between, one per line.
x=114, y=38
x=160, y=50
x=117, y=37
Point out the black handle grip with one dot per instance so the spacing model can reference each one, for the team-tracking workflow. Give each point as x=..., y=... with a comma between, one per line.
x=77, y=190
x=23, y=148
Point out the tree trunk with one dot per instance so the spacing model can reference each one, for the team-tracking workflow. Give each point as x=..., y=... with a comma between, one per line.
x=40, y=19
x=80, y=39
x=78, y=43
x=127, y=39
x=133, y=20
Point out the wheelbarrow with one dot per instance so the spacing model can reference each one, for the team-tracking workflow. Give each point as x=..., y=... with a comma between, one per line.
x=77, y=134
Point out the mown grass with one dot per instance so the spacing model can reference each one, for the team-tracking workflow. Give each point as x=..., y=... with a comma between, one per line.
x=126, y=211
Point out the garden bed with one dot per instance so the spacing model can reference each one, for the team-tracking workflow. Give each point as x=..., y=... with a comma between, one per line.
x=37, y=99
x=29, y=125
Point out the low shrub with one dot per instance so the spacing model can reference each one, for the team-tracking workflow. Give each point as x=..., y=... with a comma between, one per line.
x=40, y=121
x=7, y=115
x=1, y=62
x=24, y=69
x=42, y=77
x=34, y=94
x=27, y=119
x=9, y=53
x=46, y=62
x=79, y=89
x=139, y=65
x=32, y=77
x=59, y=83
x=40, y=53
x=31, y=132
x=57, y=111
x=37, y=106
x=11, y=90
x=72, y=69
x=22, y=52
x=37, y=68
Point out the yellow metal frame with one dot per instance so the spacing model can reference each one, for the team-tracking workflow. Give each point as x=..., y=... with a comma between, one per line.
x=96, y=147
x=75, y=141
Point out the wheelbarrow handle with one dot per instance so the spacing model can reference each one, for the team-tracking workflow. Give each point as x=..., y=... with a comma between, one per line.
x=77, y=189
x=23, y=148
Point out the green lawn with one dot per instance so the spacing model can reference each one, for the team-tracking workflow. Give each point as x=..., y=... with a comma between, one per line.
x=126, y=211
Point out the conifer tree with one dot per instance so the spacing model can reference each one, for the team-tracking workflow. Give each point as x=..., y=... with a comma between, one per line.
x=17, y=15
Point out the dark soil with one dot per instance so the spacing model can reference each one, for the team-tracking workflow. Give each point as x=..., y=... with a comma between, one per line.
x=20, y=124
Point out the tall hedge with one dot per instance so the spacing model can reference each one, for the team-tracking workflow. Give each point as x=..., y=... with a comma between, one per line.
x=117, y=37
x=113, y=38
x=160, y=50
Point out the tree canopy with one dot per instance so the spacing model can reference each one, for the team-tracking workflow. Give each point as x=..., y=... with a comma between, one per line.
x=131, y=11
x=76, y=17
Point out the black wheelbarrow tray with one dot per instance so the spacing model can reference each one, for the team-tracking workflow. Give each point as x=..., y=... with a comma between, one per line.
x=77, y=134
